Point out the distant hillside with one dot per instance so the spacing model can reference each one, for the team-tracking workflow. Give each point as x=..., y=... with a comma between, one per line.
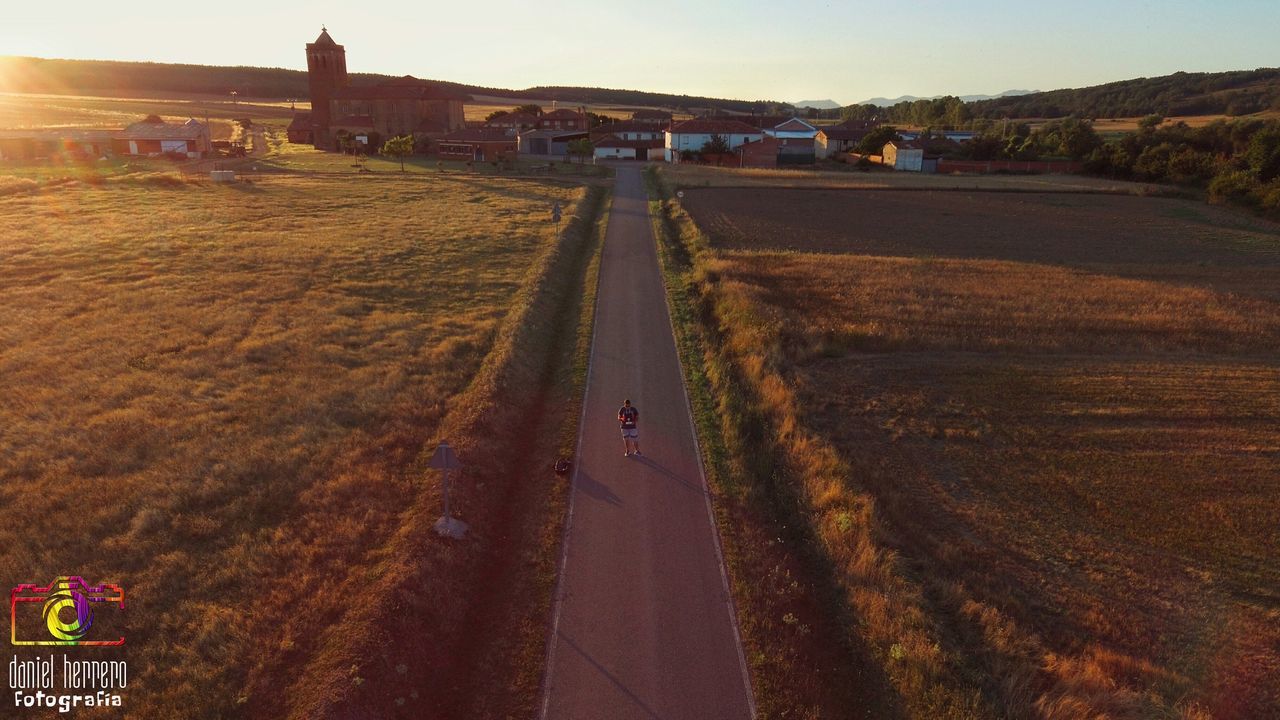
x=890, y=102
x=818, y=104
x=102, y=77
x=1238, y=92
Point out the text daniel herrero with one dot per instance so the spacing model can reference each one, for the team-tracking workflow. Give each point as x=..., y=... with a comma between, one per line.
x=88, y=682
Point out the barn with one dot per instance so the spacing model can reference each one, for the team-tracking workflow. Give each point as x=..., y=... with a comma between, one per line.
x=154, y=136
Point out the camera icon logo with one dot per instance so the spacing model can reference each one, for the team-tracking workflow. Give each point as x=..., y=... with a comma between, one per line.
x=65, y=608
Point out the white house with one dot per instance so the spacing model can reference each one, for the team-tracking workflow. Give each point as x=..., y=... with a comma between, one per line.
x=904, y=155
x=614, y=147
x=693, y=134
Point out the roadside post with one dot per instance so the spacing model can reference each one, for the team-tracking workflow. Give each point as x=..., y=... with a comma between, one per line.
x=445, y=460
x=555, y=215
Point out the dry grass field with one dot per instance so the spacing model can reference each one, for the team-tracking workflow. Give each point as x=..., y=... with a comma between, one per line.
x=38, y=111
x=846, y=177
x=1037, y=436
x=216, y=396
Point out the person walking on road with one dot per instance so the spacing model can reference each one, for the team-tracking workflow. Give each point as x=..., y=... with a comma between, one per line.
x=628, y=416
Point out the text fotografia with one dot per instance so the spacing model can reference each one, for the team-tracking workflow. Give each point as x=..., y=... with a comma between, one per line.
x=83, y=684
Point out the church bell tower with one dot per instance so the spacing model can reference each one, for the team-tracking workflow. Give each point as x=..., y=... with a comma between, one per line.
x=326, y=73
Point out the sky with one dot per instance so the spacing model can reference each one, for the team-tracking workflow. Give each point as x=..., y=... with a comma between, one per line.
x=747, y=49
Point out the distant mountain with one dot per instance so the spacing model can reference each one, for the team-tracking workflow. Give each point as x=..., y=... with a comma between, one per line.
x=818, y=104
x=889, y=102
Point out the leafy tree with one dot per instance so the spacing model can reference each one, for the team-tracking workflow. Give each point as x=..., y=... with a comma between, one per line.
x=717, y=145
x=1150, y=123
x=496, y=114
x=529, y=108
x=581, y=148
x=1263, y=153
x=874, y=141
x=399, y=147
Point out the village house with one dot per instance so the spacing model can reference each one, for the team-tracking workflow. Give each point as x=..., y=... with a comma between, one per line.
x=692, y=135
x=844, y=137
x=477, y=144
x=563, y=120
x=403, y=106
x=513, y=122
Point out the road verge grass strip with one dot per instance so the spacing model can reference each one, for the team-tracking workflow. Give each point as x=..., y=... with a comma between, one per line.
x=833, y=626
x=458, y=626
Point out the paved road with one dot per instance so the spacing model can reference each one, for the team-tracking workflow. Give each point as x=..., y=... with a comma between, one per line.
x=643, y=625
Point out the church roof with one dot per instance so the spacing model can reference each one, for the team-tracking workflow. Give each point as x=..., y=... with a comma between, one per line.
x=324, y=38
x=403, y=88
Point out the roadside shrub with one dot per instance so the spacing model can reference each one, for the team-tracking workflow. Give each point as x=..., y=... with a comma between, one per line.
x=1186, y=165
x=1268, y=198
x=1233, y=187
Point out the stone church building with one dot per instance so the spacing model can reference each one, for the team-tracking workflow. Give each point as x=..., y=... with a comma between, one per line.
x=402, y=106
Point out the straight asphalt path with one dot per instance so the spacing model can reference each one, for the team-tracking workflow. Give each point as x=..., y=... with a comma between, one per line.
x=643, y=625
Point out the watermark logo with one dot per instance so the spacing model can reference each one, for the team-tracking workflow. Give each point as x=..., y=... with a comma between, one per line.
x=61, y=613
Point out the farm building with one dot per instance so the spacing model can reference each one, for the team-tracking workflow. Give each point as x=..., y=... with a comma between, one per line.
x=548, y=142
x=844, y=137
x=154, y=136
x=909, y=155
x=563, y=120
x=903, y=155
x=37, y=144
x=761, y=153
x=480, y=144
x=402, y=106
x=773, y=151
x=692, y=135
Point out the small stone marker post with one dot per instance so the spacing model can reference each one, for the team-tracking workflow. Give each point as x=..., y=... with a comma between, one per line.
x=445, y=460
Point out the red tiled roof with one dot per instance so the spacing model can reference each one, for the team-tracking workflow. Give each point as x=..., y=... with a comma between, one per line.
x=793, y=125
x=837, y=132
x=144, y=130
x=562, y=114
x=766, y=145
x=703, y=126
x=402, y=88
x=613, y=141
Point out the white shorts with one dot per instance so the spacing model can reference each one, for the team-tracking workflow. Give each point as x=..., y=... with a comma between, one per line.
x=631, y=433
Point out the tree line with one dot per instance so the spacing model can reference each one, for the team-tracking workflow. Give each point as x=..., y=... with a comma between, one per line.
x=106, y=77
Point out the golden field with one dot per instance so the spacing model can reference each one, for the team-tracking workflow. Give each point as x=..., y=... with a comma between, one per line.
x=1033, y=437
x=217, y=397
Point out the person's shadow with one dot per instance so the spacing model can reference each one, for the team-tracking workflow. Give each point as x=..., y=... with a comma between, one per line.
x=692, y=486
x=595, y=490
